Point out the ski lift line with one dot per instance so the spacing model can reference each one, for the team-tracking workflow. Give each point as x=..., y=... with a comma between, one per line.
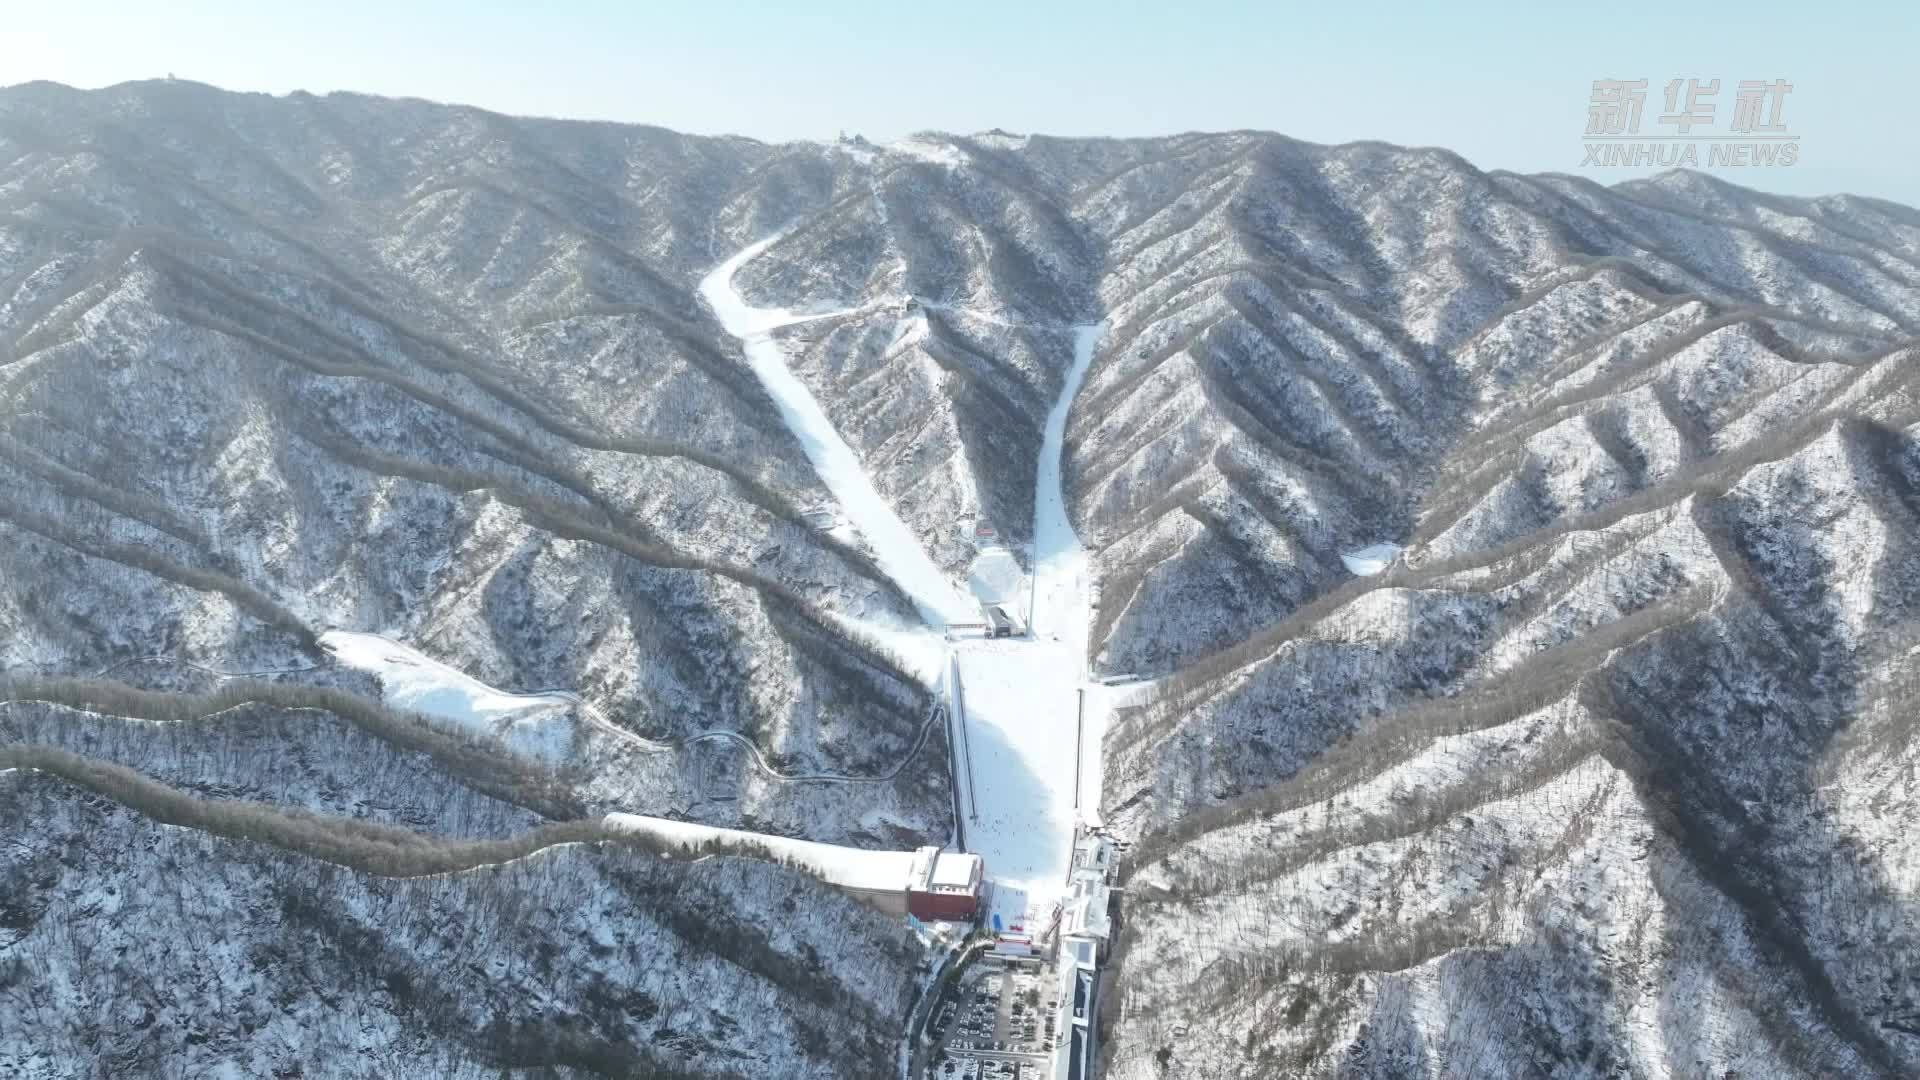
x=959, y=710
x=1079, y=742
x=954, y=736
x=166, y=658
x=1033, y=601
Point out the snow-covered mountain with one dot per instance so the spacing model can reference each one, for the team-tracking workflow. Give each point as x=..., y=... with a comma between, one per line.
x=1595, y=769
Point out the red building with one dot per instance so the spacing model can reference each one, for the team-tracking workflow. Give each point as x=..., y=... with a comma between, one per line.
x=945, y=885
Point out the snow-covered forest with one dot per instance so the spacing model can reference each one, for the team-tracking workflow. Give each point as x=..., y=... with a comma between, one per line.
x=1507, y=583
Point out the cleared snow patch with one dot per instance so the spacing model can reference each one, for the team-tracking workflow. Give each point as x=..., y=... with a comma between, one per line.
x=538, y=724
x=939, y=153
x=1371, y=559
x=1002, y=140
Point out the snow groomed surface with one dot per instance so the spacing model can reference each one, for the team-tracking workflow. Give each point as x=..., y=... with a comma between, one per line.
x=1031, y=745
x=1371, y=560
x=894, y=545
x=1062, y=604
x=538, y=724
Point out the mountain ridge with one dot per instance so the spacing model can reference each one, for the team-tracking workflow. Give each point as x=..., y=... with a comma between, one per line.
x=1575, y=786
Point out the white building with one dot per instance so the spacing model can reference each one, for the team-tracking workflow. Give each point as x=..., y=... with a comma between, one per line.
x=945, y=885
x=1079, y=1008
x=1094, y=856
x=1086, y=926
x=1085, y=914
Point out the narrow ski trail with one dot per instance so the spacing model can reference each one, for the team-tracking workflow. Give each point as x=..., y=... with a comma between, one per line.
x=898, y=551
x=1061, y=597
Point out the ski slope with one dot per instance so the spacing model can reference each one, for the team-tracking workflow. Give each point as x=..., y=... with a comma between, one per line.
x=1371, y=560
x=1029, y=742
x=1019, y=699
x=1062, y=603
x=1027, y=751
x=894, y=545
x=537, y=724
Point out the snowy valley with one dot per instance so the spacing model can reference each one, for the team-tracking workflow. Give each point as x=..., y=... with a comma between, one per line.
x=1480, y=606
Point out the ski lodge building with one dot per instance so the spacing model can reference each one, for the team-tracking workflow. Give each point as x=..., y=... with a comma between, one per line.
x=1086, y=927
x=1087, y=912
x=944, y=885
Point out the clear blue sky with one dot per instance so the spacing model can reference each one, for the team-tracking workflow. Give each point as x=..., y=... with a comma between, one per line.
x=1505, y=84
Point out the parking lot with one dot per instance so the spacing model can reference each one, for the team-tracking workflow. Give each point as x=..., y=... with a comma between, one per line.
x=997, y=1025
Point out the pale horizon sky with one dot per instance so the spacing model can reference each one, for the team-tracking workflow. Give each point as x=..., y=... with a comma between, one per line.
x=1506, y=85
